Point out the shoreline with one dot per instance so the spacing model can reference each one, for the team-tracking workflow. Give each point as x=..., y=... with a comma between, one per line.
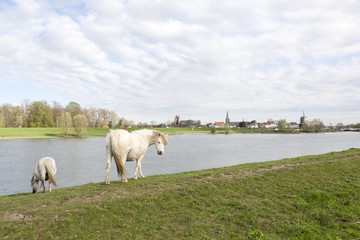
x=29, y=133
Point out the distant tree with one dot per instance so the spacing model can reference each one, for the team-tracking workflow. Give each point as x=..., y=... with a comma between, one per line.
x=142, y=125
x=113, y=118
x=73, y=108
x=80, y=122
x=8, y=116
x=340, y=126
x=227, y=128
x=18, y=117
x=1, y=121
x=25, y=110
x=122, y=122
x=102, y=117
x=242, y=124
x=313, y=126
x=283, y=125
x=65, y=123
x=91, y=115
x=56, y=109
x=40, y=115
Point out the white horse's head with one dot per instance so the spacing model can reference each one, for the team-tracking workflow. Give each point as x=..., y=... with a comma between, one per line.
x=34, y=185
x=160, y=142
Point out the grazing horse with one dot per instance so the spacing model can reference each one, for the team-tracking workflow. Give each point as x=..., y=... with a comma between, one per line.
x=125, y=146
x=44, y=170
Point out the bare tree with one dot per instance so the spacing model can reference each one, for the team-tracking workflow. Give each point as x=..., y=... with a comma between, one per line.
x=113, y=119
x=65, y=123
x=56, y=109
x=25, y=108
x=91, y=114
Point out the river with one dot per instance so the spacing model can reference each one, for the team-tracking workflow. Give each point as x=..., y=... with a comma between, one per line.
x=83, y=160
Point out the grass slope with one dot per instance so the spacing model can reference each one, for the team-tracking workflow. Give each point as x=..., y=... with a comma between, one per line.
x=311, y=197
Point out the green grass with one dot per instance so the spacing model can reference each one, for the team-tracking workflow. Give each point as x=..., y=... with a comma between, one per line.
x=311, y=197
x=96, y=132
x=47, y=132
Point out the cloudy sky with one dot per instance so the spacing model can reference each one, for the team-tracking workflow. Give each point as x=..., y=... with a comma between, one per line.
x=154, y=59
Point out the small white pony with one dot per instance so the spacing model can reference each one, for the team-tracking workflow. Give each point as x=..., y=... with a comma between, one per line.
x=125, y=146
x=44, y=170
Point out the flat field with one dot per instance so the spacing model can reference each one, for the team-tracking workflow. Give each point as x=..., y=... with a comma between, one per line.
x=311, y=197
x=97, y=132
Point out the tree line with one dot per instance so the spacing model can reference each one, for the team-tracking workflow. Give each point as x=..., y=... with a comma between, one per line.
x=43, y=114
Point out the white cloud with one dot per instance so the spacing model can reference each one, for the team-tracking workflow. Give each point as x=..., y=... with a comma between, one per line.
x=150, y=60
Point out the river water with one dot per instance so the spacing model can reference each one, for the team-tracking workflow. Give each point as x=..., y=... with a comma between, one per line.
x=83, y=160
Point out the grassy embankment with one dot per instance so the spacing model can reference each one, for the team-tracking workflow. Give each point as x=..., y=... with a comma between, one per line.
x=311, y=197
x=95, y=132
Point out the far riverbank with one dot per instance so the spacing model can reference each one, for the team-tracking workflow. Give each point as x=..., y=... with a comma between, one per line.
x=6, y=133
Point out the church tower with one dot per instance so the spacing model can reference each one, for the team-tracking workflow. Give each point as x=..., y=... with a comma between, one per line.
x=227, y=119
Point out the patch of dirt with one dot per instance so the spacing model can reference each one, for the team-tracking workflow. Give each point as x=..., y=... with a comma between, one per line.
x=56, y=218
x=260, y=171
x=16, y=216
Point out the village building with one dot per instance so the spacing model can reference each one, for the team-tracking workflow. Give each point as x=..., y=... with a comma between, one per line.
x=219, y=124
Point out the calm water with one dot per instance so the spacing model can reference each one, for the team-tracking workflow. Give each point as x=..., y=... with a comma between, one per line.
x=81, y=161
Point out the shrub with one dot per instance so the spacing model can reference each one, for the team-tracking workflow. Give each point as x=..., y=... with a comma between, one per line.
x=65, y=123
x=80, y=124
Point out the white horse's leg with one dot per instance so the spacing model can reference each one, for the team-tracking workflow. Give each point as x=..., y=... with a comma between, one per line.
x=108, y=165
x=109, y=156
x=138, y=167
x=49, y=185
x=43, y=184
x=123, y=176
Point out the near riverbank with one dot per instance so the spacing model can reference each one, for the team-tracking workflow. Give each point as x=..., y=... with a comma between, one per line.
x=311, y=197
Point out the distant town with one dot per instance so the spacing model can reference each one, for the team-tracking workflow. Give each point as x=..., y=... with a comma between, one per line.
x=270, y=124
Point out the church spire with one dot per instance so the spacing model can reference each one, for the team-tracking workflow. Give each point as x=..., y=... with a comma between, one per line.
x=227, y=119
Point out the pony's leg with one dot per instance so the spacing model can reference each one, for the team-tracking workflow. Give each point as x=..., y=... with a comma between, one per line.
x=138, y=167
x=49, y=185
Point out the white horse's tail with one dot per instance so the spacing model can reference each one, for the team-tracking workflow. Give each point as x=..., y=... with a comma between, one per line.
x=117, y=158
x=119, y=164
x=50, y=174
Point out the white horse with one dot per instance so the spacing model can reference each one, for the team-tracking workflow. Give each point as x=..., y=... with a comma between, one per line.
x=44, y=170
x=125, y=146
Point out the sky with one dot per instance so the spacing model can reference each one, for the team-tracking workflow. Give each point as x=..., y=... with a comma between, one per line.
x=149, y=60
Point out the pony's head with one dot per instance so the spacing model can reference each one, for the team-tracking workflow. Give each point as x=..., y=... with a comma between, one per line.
x=160, y=142
x=34, y=185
